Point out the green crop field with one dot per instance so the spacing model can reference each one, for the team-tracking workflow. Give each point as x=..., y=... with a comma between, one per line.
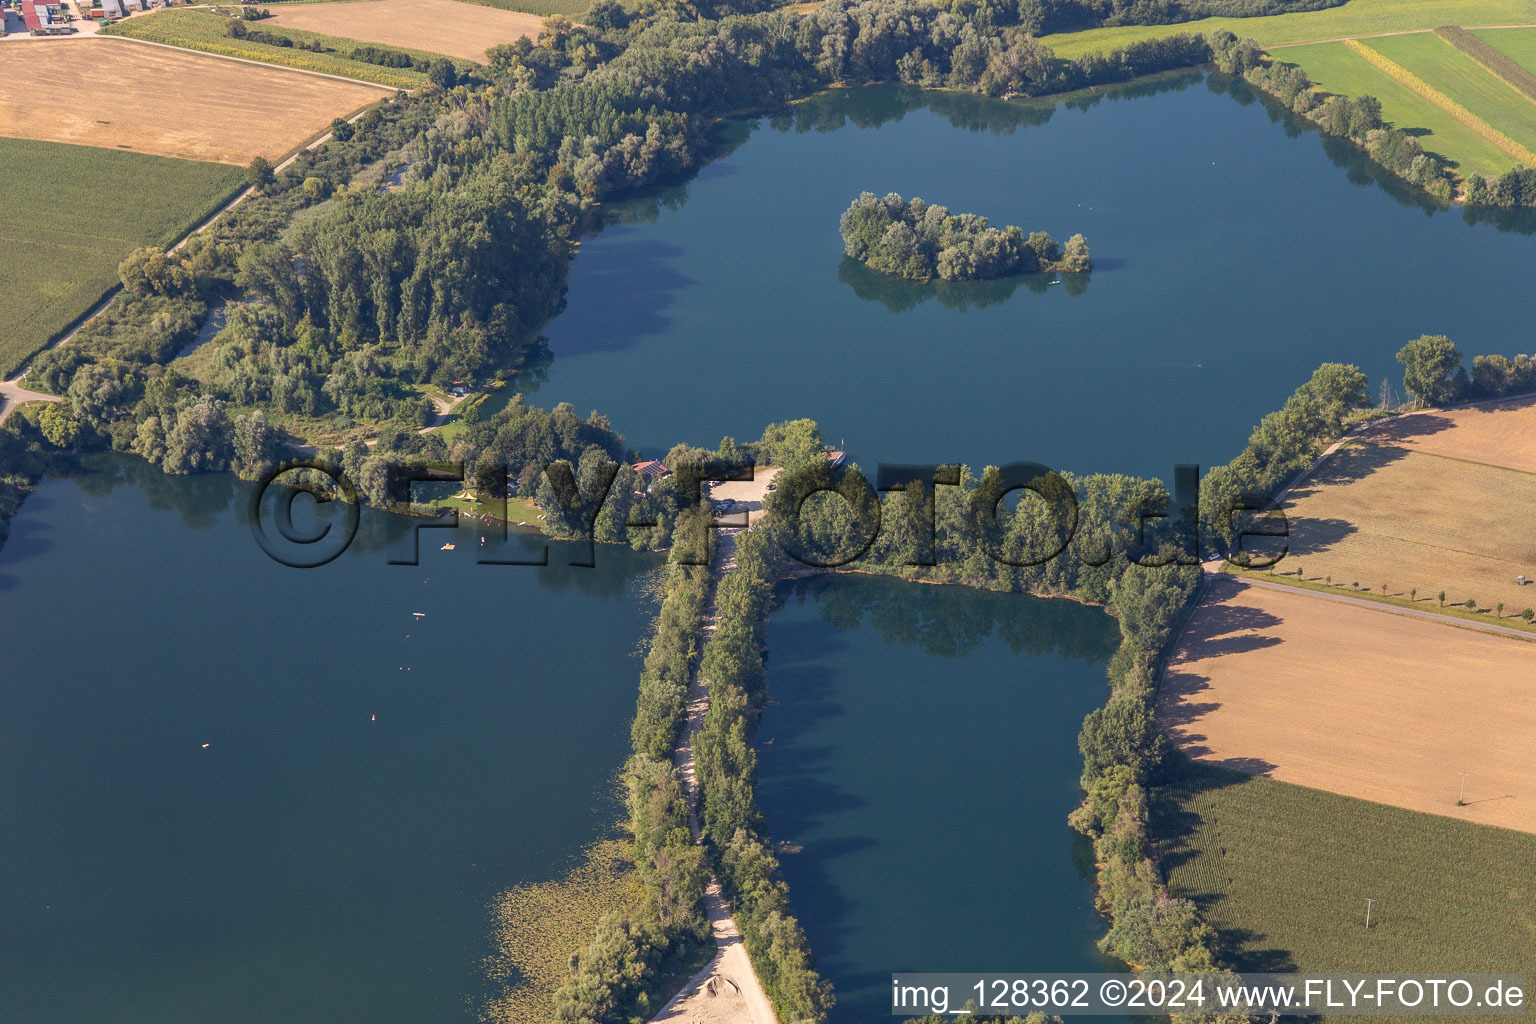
x=573, y=9
x=1283, y=872
x=1458, y=76
x=1335, y=68
x=1355, y=18
x=1518, y=44
x=208, y=32
x=71, y=213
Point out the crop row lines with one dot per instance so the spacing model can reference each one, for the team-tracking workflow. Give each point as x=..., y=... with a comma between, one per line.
x=1497, y=64
x=1395, y=70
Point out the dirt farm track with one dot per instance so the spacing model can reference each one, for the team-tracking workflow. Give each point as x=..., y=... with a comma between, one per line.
x=192, y=105
x=449, y=27
x=1353, y=700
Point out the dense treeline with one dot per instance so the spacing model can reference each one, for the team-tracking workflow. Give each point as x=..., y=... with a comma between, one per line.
x=350, y=294
x=1289, y=439
x=1044, y=16
x=1357, y=119
x=920, y=241
x=1285, y=442
x=674, y=650
x=621, y=974
x=1433, y=373
x=23, y=458
x=726, y=765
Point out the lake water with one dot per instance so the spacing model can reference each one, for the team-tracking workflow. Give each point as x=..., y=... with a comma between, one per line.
x=329, y=856
x=1235, y=253
x=922, y=747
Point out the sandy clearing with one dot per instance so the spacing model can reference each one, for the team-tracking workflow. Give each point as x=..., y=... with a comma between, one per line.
x=199, y=107
x=1496, y=434
x=1356, y=701
x=450, y=27
x=746, y=492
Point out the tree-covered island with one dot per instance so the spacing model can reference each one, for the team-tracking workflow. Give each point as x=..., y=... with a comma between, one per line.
x=921, y=241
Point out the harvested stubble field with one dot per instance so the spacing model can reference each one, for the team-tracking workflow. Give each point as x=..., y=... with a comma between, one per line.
x=70, y=216
x=1370, y=704
x=439, y=26
x=1282, y=872
x=199, y=108
x=1379, y=515
x=1496, y=434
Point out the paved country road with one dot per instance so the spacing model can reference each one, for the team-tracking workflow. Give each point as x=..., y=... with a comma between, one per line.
x=1214, y=573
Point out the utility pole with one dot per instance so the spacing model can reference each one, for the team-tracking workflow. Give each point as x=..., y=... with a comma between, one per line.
x=1461, y=801
x=1368, y=902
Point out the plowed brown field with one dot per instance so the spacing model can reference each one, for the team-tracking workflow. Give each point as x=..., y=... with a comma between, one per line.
x=1502, y=434
x=449, y=27
x=1352, y=700
x=119, y=94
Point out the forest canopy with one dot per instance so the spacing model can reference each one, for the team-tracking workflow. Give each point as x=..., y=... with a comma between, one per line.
x=922, y=241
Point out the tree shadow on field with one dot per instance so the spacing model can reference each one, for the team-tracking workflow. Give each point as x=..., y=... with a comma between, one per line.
x=1221, y=627
x=1307, y=536
x=1184, y=821
x=1380, y=443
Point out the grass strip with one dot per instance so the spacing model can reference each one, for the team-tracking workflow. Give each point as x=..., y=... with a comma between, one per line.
x=1422, y=604
x=1395, y=70
x=1490, y=60
x=207, y=32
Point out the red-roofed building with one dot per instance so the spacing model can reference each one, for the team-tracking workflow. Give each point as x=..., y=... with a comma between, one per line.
x=43, y=18
x=651, y=471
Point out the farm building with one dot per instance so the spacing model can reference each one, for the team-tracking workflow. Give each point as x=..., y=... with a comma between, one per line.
x=651, y=471
x=113, y=9
x=44, y=18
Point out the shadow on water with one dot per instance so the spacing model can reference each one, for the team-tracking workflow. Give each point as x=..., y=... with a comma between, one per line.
x=901, y=296
x=901, y=712
x=202, y=501
x=1359, y=169
x=800, y=757
x=637, y=278
x=875, y=105
x=952, y=621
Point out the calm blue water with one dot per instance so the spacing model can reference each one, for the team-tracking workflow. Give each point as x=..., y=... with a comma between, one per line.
x=1234, y=255
x=922, y=747
x=363, y=796
x=317, y=863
